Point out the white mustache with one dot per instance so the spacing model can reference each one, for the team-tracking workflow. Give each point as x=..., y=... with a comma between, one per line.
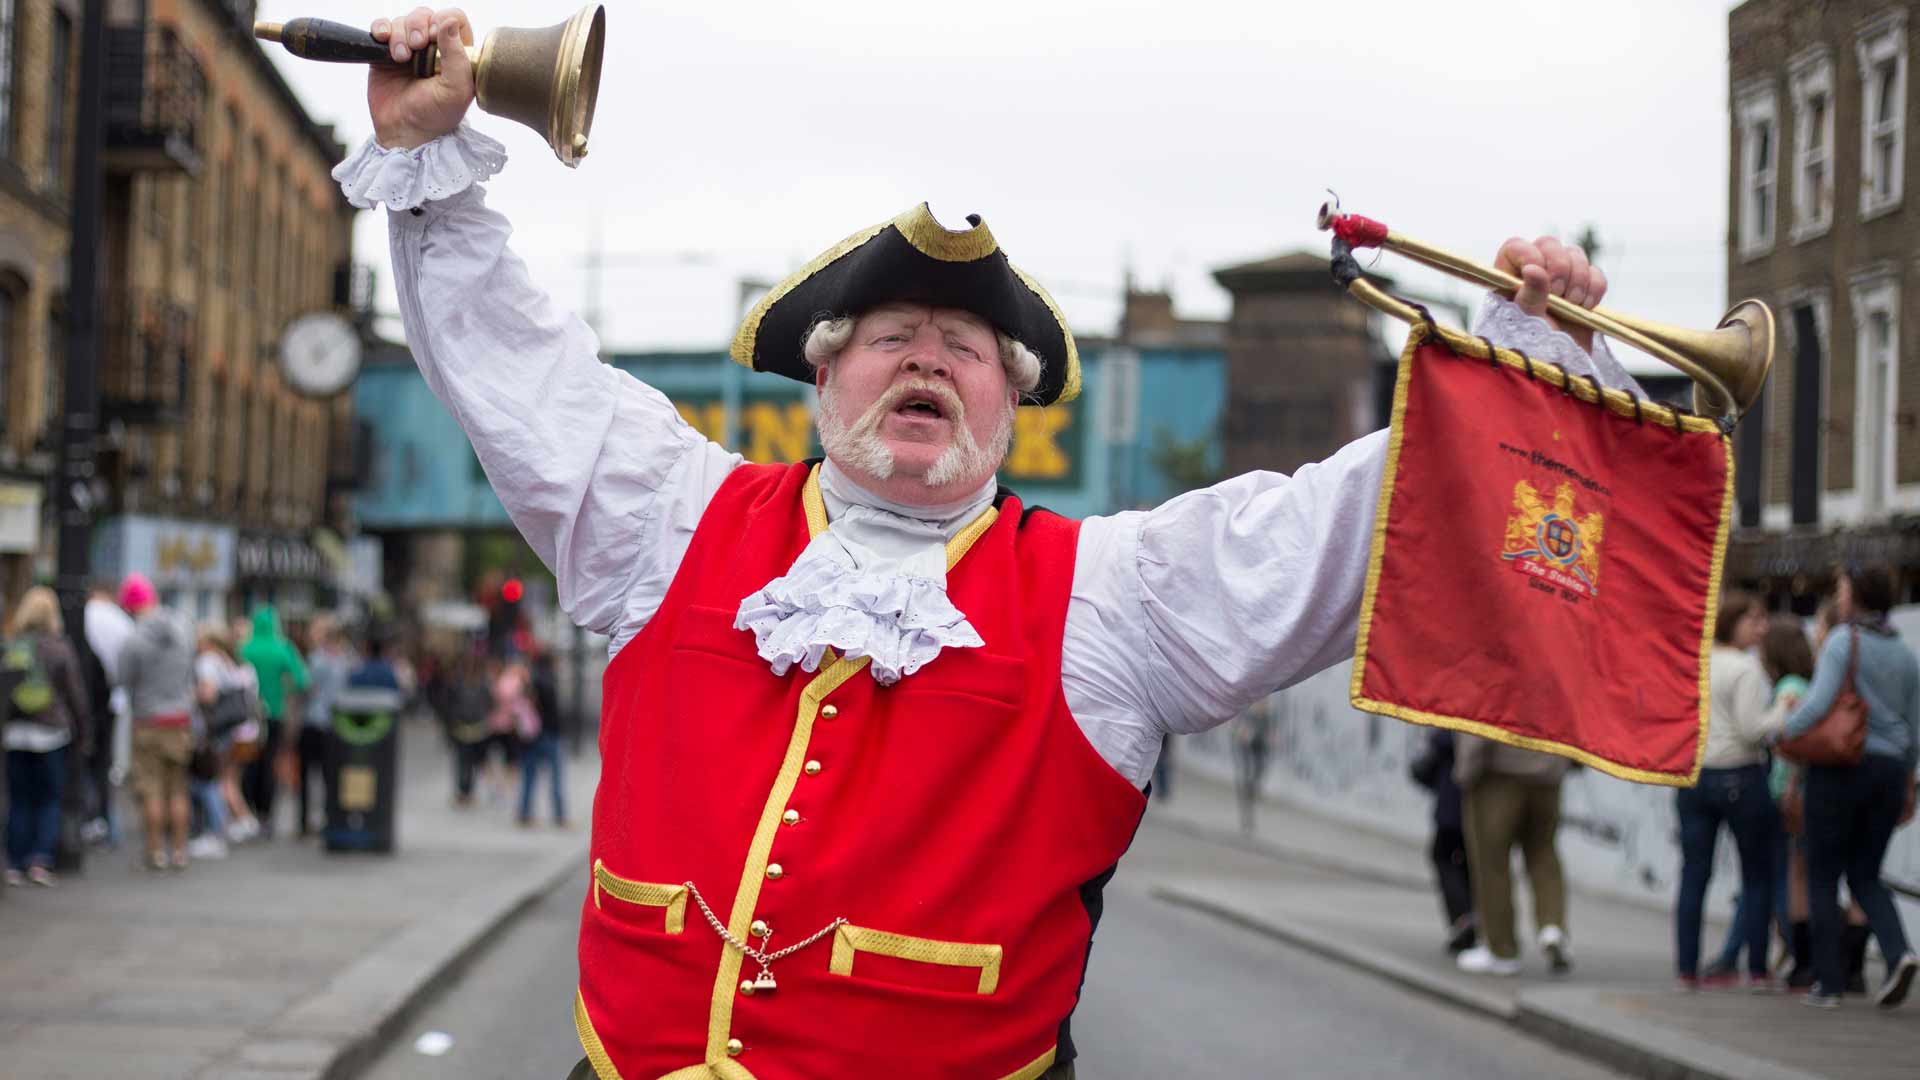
x=951, y=407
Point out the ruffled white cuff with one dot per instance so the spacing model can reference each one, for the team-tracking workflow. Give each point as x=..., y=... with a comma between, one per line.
x=901, y=622
x=1505, y=324
x=405, y=179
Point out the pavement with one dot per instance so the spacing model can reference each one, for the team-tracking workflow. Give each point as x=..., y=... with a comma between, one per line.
x=280, y=962
x=1377, y=911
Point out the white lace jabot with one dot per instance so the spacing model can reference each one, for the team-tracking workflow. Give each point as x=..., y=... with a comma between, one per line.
x=405, y=179
x=873, y=584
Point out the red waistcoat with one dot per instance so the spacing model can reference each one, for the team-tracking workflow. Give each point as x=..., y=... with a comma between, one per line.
x=952, y=819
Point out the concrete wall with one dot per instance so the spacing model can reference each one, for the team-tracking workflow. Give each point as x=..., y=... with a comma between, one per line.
x=1616, y=838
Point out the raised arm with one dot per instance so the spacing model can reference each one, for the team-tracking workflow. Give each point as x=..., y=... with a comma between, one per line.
x=596, y=469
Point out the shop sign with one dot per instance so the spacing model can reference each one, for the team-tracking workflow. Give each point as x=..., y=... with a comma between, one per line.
x=1046, y=442
x=278, y=557
x=19, y=518
x=174, y=554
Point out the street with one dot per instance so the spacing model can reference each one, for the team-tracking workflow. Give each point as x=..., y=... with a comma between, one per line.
x=1169, y=993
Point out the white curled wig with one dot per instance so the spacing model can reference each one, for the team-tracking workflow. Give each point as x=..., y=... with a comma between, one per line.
x=830, y=334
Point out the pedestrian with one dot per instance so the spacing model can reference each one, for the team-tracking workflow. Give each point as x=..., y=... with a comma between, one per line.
x=542, y=749
x=328, y=664
x=508, y=723
x=1511, y=797
x=105, y=628
x=47, y=718
x=890, y=720
x=156, y=665
x=468, y=703
x=1252, y=736
x=229, y=698
x=1433, y=770
x=1788, y=661
x=1732, y=791
x=278, y=667
x=1852, y=810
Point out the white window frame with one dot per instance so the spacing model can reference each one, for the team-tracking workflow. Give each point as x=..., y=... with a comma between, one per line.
x=1809, y=76
x=1882, y=41
x=1876, y=296
x=1753, y=109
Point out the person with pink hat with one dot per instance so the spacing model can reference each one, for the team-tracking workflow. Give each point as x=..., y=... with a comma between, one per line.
x=156, y=668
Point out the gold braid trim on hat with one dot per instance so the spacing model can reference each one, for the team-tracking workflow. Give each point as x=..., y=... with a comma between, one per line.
x=936, y=241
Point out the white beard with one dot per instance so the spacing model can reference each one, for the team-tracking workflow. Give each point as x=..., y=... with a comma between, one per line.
x=858, y=447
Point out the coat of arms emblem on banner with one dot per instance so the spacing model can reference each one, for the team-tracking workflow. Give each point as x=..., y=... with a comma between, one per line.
x=1554, y=542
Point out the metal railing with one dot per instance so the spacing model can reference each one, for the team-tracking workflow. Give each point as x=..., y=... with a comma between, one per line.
x=155, y=100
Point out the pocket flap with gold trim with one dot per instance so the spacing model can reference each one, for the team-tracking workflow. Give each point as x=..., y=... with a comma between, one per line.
x=646, y=894
x=849, y=940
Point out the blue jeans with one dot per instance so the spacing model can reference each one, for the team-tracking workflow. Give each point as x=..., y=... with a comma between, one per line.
x=543, y=751
x=1731, y=948
x=1739, y=799
x=34, y=781
x=1851, y=815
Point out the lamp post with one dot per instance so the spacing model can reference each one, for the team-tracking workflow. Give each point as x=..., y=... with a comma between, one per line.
x=80, y=419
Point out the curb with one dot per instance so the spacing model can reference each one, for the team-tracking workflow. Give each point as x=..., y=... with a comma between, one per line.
x=1384, y=965
x=335, y=1033
x=1571, y=1018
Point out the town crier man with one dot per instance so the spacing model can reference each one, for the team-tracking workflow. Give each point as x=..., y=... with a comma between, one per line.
x=874, y=732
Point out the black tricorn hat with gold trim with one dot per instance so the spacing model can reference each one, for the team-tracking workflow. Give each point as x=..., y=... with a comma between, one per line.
x=912, y=258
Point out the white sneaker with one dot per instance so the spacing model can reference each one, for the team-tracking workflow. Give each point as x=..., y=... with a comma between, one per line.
x=1481, y=961
x=207, y=846
x=242, y=830
x=1553, y=942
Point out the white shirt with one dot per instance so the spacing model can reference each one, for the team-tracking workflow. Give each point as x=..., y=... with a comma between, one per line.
x=1179, y=616
x=1738, y=716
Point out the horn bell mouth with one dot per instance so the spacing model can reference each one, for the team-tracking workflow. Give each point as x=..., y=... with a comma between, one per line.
x=1749, y=377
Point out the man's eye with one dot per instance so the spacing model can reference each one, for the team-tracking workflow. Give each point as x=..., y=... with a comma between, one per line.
x=963, y=349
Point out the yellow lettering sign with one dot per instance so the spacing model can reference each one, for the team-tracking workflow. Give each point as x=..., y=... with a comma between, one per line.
x=777, y=431
x=180, y=553
x=1036, y=453
x=709, y=419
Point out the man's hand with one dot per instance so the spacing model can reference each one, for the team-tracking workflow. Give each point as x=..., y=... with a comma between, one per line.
x=408, y=111
x=1548, y=267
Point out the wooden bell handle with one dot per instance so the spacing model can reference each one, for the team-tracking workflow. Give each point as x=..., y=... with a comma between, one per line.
x=338, y=43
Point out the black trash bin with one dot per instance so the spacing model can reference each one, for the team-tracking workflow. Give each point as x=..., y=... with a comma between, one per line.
x=363, y=770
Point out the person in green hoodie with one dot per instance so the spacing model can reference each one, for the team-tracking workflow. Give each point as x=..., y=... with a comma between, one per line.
x=280, y=669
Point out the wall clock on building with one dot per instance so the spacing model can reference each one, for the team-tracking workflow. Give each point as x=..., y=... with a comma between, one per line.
x=320, y=353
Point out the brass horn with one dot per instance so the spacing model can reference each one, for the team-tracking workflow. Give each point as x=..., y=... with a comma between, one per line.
x=547, y=79
x=1728, y=364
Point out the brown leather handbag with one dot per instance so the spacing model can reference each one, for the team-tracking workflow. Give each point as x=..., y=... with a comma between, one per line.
x=1840, y=737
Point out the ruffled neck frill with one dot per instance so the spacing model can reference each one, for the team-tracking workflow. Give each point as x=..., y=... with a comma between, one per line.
x=872, y=584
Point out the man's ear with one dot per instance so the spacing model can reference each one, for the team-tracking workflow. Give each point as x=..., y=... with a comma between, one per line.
x=820, y=376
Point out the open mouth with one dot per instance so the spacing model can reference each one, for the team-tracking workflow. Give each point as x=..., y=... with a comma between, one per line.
x=922, y=407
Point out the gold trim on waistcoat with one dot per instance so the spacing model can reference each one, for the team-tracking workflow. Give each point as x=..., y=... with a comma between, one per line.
x=671, y=897
x=849, y=940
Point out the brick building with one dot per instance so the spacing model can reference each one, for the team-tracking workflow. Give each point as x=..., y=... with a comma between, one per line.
x=220, y=224
x=1306, y=370
x=1820, y=227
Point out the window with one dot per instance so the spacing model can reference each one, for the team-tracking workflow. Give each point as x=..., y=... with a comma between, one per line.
x=7, y=59
x=59, y=56
x=1882, y=51
x=1876, y=323
x=6, y=352
x=1811, y=83
x=53, y=383
x=1759, y=152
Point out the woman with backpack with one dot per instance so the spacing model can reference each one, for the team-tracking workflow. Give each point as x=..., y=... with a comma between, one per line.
x=46, y=715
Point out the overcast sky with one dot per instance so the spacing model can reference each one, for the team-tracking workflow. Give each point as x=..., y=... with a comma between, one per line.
x=736, y=140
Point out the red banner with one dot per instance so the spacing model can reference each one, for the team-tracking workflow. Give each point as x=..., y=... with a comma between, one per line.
x=1544, y=566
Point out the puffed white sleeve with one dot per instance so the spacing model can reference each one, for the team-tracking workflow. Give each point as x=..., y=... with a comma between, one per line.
x=597, y=470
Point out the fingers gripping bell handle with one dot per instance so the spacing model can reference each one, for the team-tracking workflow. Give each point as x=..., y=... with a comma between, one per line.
x=338, y=43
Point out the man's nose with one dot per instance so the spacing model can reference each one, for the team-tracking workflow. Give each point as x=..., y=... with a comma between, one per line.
x=927, y=359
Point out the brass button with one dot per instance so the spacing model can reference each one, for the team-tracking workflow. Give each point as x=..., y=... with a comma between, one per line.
x=746, y=987
x=829, y=711
x=759, y=928
x=775, y=871
x=734, y=1047
x=791, y=817
x=813, y=768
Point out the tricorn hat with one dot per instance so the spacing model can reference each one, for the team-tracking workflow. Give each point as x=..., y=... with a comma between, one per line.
x=912, y=258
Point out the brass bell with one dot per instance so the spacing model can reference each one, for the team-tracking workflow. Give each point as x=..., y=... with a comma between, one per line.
x=547, y=79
